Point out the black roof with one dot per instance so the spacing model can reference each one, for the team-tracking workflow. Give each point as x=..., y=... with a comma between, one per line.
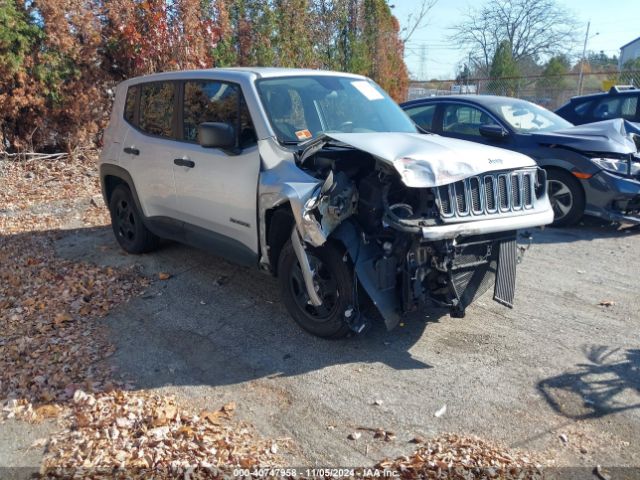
x=611, y=92
x=484, y=100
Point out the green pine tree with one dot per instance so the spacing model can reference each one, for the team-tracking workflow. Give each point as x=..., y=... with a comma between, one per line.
x=503, y=71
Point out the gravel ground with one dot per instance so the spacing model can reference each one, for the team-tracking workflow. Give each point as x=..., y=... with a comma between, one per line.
x=559, y=375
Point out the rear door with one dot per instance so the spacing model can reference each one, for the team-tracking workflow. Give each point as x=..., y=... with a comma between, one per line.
x=152, y=132
x=216, y=189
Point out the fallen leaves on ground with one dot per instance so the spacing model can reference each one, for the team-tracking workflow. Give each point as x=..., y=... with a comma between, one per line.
x=138, y=432
x=41, y=195
x=54, y=351
x=51, y=342
x=454, y=457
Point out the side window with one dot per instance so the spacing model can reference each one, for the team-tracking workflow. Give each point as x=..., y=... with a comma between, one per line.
x=423, y=116
x=581, y=109
x=156, y=108
x=130, y=104
x=629, y=108
x=212, y=101
x=464, y=120
x=607, y=108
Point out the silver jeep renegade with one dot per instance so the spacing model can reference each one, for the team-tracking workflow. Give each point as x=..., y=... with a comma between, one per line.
x=320, y=179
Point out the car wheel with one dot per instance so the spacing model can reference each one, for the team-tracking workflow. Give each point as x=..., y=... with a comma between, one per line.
x=566, y=197
x=334, y=281
x=127, y=225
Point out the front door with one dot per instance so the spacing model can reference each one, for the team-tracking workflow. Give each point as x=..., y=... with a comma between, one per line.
x=216, y=190
x=463, y=121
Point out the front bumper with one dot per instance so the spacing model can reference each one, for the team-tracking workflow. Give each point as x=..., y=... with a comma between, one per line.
x=491, y=225
x=612, y=197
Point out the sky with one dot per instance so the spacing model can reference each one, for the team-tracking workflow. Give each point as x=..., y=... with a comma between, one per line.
x=616, y=21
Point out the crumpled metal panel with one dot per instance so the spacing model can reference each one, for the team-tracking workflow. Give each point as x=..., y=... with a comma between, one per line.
x=613, y=136
x=425, y=161
x=327, y=208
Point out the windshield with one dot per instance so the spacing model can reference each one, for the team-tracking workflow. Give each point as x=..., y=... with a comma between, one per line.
x=526, y=117
x=301, y=108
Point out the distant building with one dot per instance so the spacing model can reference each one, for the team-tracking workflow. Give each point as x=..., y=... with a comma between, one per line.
x=630, y=51
x=456, y=89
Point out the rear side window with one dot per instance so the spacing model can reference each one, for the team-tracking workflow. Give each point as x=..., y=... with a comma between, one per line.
x=130, y=104
x=157, y=108
x=619, y=107
x=213, y=101
x=581, y=109
x=423, y=116
x=607, y=108
x=629, y=108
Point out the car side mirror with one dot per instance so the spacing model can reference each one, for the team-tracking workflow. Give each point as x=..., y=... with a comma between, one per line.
x=493, y=131
x=217, y=135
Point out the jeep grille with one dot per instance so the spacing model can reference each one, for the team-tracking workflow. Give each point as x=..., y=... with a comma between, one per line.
x=492, y=193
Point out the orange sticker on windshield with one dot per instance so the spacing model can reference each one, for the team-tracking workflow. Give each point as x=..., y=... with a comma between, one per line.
x=303, y=134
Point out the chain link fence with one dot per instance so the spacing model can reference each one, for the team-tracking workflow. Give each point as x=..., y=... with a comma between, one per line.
x=549, y=91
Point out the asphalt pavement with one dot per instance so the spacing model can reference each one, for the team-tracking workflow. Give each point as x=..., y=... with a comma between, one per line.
x=558, y=375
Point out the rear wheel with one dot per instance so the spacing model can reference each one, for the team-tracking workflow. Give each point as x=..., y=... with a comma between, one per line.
x=333, y=279
x=566, y=197
x=127, y=225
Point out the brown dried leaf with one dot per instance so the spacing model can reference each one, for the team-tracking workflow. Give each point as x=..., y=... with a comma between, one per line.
x=48, y=411
x=62, y=318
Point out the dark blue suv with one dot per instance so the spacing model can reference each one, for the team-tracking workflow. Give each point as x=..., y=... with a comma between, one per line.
x=619, y=102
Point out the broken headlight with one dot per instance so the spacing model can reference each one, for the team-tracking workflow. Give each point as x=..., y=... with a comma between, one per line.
x=618, y=165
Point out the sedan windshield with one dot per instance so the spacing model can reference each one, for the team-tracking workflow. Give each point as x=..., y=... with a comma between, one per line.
x=527, y=117
x=301, y=108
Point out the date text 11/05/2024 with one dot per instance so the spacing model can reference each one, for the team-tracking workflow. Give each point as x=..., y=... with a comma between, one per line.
x=315, y=472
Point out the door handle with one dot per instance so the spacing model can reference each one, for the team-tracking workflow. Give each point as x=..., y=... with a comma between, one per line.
x=183, y=162
x=131, y=151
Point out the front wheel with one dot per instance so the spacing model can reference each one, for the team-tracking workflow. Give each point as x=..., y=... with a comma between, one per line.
x=566, y=197
x=333, y=278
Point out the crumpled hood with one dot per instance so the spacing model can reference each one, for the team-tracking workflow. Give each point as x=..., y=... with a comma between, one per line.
x=612, y=136
x=426, y=160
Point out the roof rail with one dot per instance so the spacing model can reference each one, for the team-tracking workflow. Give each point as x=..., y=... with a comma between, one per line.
x=621, y=88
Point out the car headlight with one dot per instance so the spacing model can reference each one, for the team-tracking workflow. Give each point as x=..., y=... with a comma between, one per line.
x=614, y=165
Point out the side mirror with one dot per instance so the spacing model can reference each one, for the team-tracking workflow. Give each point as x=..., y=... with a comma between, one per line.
x=217, y=135
x=493, y=131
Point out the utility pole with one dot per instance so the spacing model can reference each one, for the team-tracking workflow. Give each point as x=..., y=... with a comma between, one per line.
x=584, y=52
x=423, y=61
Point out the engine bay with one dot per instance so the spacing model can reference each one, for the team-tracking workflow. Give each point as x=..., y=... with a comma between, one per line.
x=363, y=203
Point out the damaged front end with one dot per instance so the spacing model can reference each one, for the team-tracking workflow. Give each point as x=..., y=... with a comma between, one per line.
x=421, y=229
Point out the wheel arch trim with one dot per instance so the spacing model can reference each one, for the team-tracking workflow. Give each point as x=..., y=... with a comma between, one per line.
x=111, y=170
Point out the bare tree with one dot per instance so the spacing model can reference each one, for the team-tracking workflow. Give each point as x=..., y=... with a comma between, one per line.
x=534, y=28
x=417, y=20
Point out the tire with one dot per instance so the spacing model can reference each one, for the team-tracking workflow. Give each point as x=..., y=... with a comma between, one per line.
x=127, y=224
x=335, y=278
x=566, y=196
